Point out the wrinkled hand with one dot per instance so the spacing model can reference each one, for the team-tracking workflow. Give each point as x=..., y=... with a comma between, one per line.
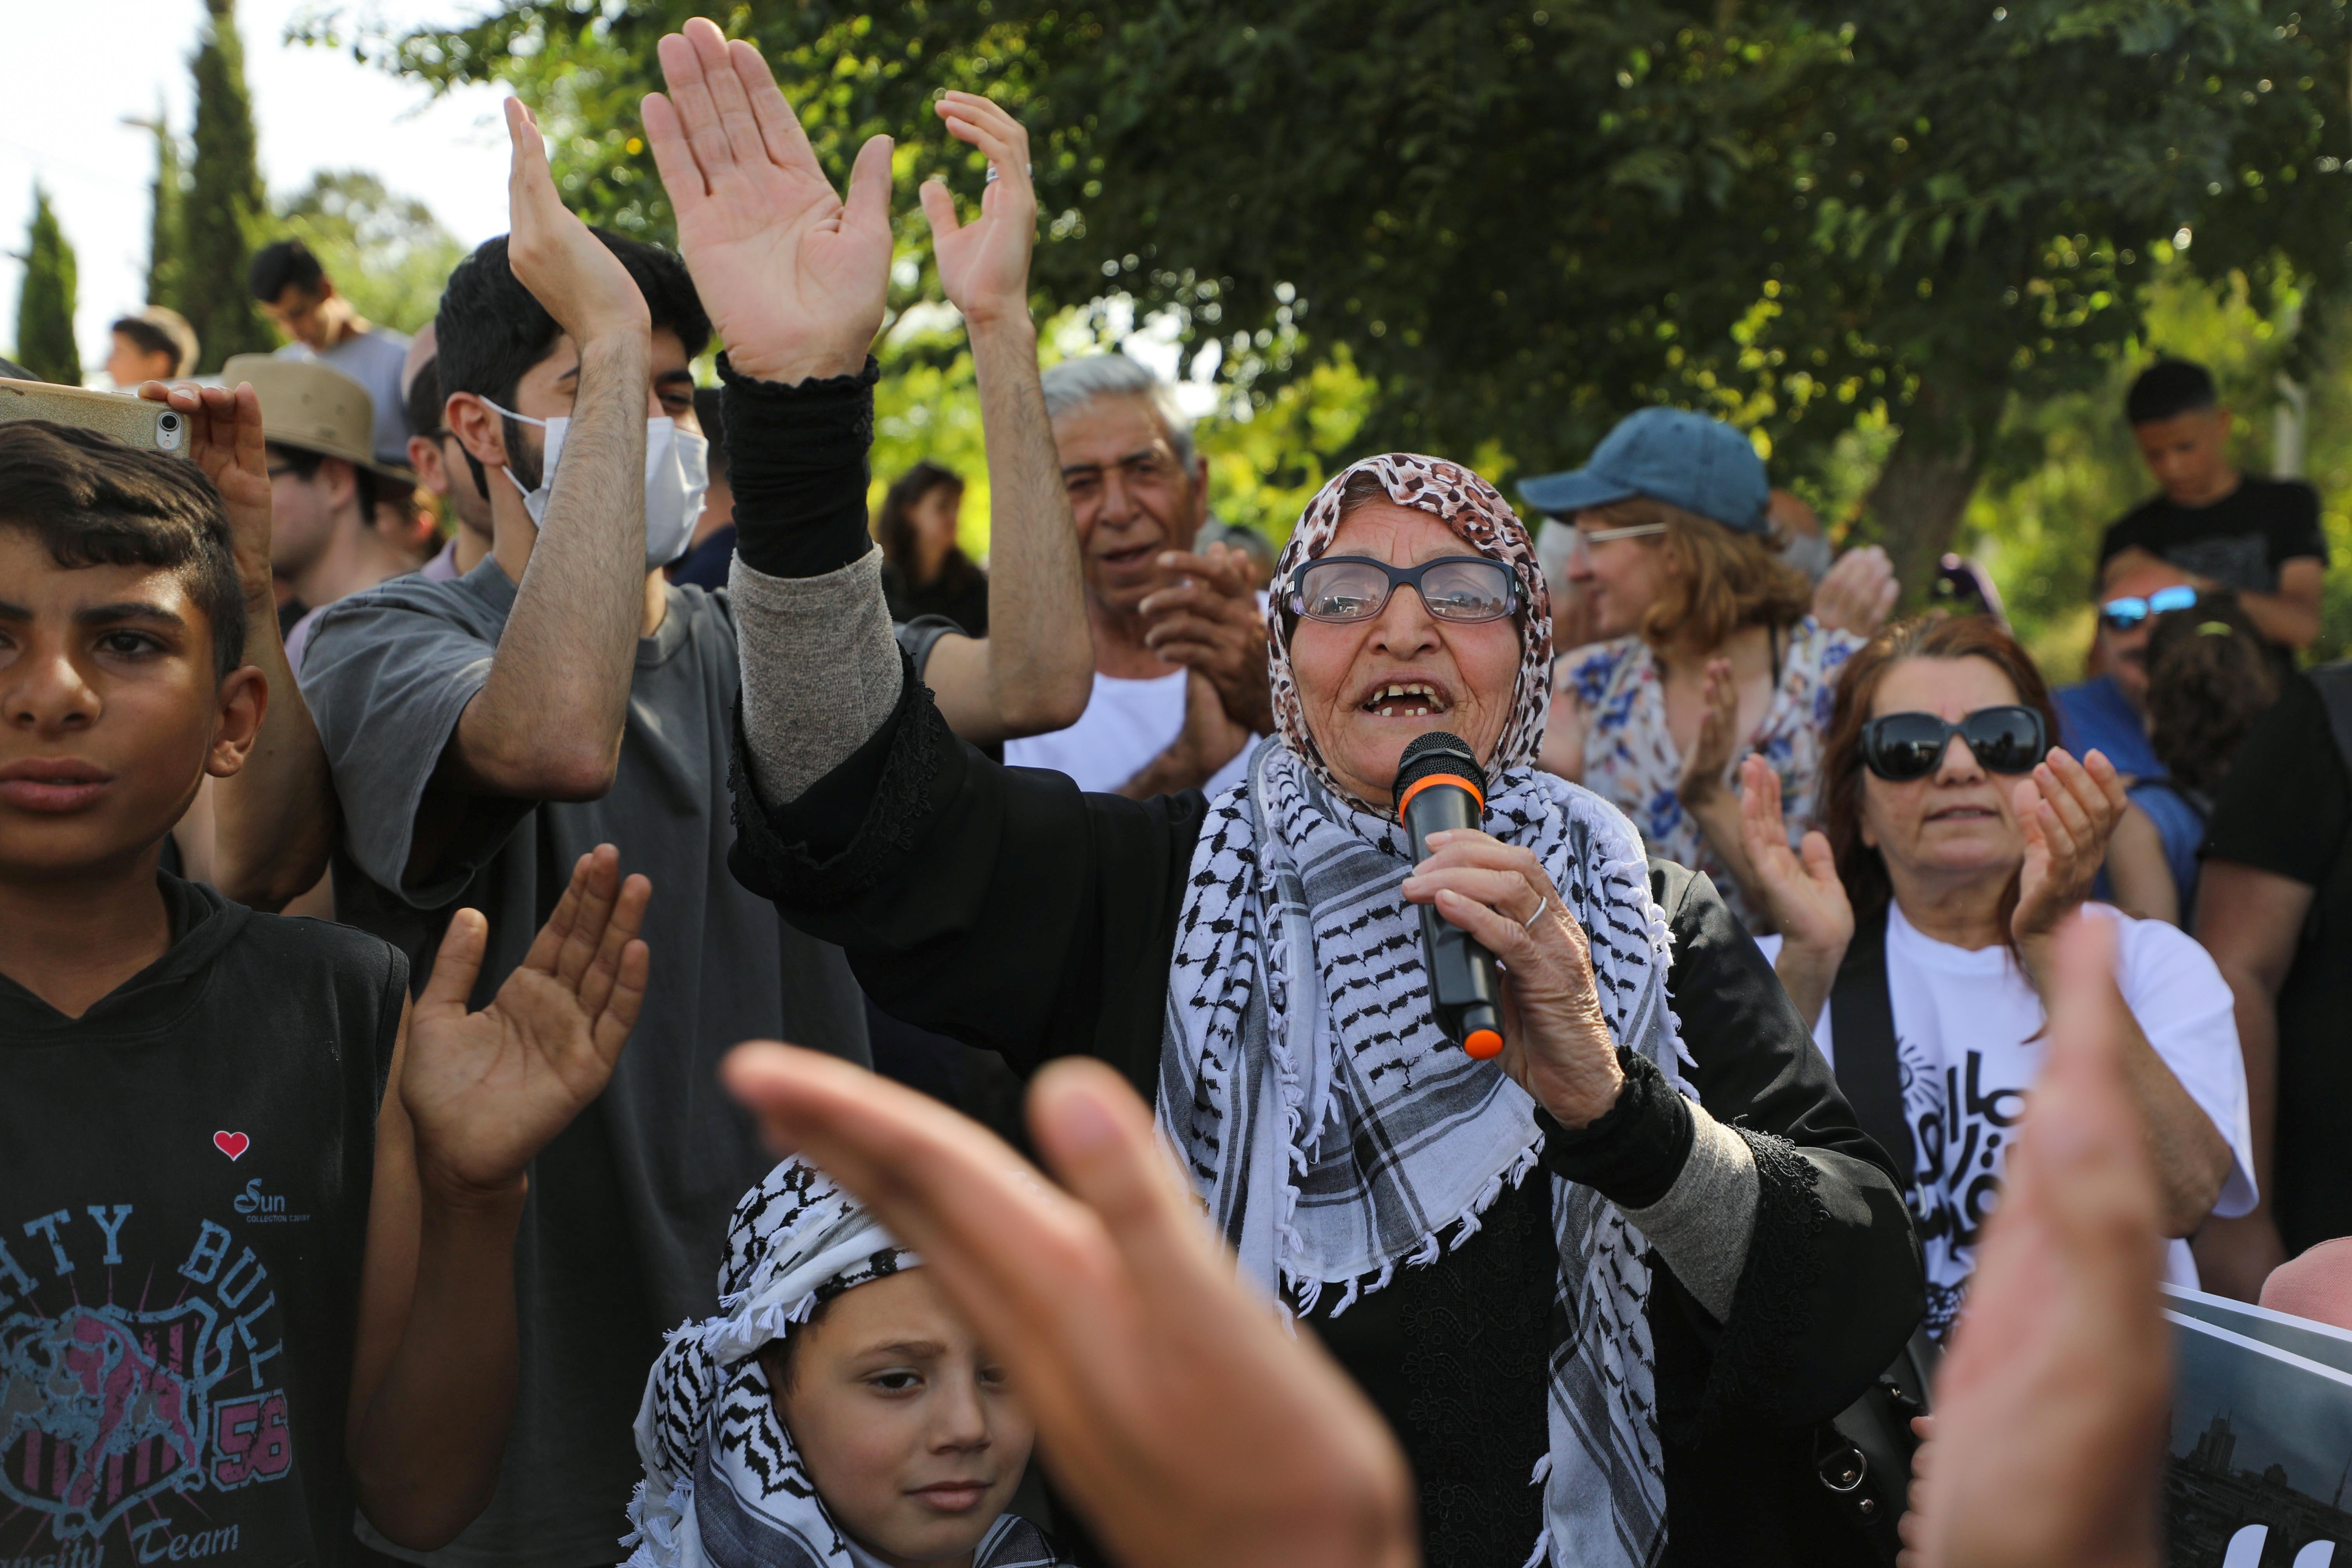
x=2050, y=1406
x=984, y=264
x=1802, y=888
x=567, y=269
x=1183, y=1420
x=793, y=278
x=1556, y=1042
x=1709, y=761
x=1207, y=620
x=2067, y=811
x=1857, y=593
x=487, y=1090
x=1210, y=733
x=225, y=440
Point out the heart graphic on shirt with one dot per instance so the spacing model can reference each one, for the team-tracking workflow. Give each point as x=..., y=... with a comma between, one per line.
x=232, y=1144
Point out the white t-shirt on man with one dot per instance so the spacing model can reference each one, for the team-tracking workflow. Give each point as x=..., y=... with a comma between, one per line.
x=1127, y=724
x=1967, y=1031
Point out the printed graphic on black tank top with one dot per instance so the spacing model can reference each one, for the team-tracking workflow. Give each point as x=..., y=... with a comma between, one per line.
x=143, y=1406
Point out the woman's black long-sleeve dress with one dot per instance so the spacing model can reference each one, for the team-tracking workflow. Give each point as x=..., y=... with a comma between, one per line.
x=1005, y=908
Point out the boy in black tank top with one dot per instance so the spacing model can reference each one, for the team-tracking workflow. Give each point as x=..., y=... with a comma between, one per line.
x=257, y=1213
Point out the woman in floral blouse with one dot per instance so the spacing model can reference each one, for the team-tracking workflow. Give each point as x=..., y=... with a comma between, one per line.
x=1710, y=649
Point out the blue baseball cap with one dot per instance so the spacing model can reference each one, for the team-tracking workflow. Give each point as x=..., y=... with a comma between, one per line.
x=1670, y=455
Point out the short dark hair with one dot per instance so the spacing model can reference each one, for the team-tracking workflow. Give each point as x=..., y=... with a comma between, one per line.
x=2168, y=388
x=422, y=410
x=305, y=464
x=287, y=264
x=150, y=338
x=92, y=501
x=490, y=330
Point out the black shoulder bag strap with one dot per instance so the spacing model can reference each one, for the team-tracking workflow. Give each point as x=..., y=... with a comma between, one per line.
x=1862, y=1456
x=1862, y=1028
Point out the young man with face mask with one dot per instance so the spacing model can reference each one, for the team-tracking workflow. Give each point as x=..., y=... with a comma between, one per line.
x=481, y=730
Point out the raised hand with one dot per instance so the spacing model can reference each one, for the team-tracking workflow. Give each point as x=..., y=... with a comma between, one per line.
x=1556, y=1041
x=1187, y=1424
x=487, y=1091
x=2050, y=1406
x=2067, y=810
x=795, y=278
x=567, y=269
x=1709, y=761
x=984, y=264
x=1801, y=888
x=225, y=440
x=1857, y=592
x=1207, y=620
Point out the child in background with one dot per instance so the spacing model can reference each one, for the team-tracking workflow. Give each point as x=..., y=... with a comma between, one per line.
x=257, y=1211
x=2209, y=677
x=837, y=1411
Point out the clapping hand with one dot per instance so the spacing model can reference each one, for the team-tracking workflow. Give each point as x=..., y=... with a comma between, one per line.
x=568, y=269
x=984, y=264
x=487, y=1091
x=225, y=440
x=2067, y=811
x=1709, y=761
x=794, y=276
x=2050, y=1423
x=1801, y=887
x=1185, y=1422
x=1207, y=620
x=1857, y=593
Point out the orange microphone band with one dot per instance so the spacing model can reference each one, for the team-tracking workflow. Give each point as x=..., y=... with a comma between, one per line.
x=1419, y=785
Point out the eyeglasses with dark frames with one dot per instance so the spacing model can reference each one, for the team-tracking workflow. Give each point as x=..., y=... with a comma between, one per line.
x=1458, y=588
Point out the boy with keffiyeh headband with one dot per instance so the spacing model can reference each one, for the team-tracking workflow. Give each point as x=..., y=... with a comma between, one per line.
x=836, y=1412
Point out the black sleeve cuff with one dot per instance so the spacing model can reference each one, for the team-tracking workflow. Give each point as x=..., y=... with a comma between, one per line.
x=797, y=459
x=1635, y=1152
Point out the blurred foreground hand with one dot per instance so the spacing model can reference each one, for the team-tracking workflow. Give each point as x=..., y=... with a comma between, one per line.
x=1182, y=1419
x=2045, y=1448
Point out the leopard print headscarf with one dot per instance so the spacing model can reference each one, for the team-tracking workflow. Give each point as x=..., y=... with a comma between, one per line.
x=1473, y=508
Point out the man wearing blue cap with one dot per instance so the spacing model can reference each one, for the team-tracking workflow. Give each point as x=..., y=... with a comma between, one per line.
x=1709, y=650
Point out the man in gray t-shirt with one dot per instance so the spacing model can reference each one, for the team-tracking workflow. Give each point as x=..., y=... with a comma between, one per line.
x=484, y=732
x=320, y=324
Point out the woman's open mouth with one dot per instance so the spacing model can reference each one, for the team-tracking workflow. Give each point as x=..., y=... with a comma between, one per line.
x=1964, y=814
x=1407, y=699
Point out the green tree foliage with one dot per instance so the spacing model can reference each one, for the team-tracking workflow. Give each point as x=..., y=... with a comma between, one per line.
x=44, y=303
x=386, y=254
x=1517, y=223
x=167, y=198
x=226, y=201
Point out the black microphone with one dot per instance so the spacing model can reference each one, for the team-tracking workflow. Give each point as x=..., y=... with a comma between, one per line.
x=1440, y=785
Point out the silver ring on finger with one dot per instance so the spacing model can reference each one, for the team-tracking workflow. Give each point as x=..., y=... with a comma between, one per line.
x=1528, y=925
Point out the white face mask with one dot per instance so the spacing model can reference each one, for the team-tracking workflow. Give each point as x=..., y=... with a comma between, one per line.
x=678, y=473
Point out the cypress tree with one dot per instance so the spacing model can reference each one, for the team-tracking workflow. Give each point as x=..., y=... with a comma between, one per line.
x=226, y=202
x=45, y=306
x=166, y=239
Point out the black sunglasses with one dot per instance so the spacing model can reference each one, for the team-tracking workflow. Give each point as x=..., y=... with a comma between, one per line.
x=1357, y=589
x=1900, y=747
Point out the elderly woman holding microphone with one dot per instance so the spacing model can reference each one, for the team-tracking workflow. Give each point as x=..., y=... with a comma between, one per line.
x=1601, y=1284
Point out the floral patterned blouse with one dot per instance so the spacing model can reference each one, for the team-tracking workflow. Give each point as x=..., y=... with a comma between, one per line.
x=1631, y=761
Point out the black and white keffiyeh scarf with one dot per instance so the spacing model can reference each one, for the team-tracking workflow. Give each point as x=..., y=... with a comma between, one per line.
x=724, y=1486
x=1323, y=1117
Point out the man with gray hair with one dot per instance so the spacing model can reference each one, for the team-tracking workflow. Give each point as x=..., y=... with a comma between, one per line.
x=1179, y=638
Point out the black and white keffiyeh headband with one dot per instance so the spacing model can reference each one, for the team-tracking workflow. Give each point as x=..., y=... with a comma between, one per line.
x=724, y=1487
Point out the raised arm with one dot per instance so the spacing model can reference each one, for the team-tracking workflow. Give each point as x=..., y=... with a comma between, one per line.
x=274, y=822
x=546, y=722
x=472, y=1098
x=1034, y=670
x=795, y=278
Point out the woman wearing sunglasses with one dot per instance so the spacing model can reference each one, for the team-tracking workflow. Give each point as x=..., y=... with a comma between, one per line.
x=1918, y=930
